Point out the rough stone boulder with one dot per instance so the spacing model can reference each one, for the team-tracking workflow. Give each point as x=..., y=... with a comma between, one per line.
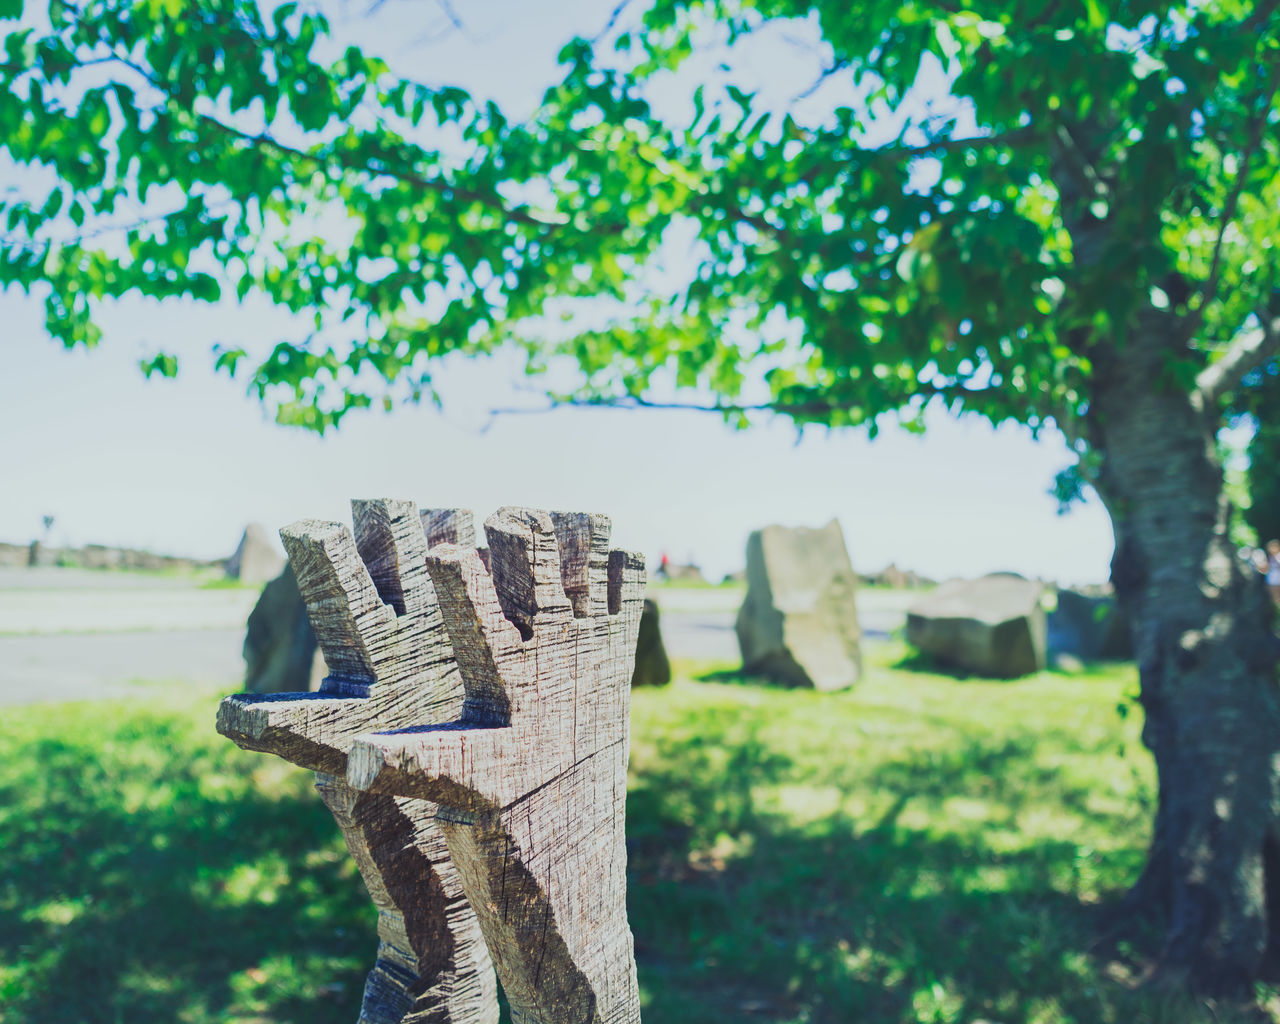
x=798, y=624
x=256, y=559
x=1089, y=625
x=993, y=626
x=652, y=666
x=280, y=650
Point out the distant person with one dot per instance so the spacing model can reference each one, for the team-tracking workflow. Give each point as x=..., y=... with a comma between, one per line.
x=664, y=566
x=1272, y=570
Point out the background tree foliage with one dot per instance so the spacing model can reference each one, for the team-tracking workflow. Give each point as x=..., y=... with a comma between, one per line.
x=1078, y=229
x=201, y=149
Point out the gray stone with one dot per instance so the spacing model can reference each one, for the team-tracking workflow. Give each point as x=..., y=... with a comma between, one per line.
x=798, y=624
x=653, y=668
x=280, y=650
x=257, y=559
x=1090, y=625
x=993, y=626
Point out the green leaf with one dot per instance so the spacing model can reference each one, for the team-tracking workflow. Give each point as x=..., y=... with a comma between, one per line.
x=227, y=359
x=162, y=363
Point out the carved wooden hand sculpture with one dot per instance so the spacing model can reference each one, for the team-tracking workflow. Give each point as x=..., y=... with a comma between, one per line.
x=531, y=778
x=378, y=622
x=503, y=696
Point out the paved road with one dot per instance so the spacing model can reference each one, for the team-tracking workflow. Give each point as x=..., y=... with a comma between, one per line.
x=699, y=623
x=69, y=635
x=74, y=634
x=87, y=666
x=79, y=601
x=707, y=635
x=54, y=578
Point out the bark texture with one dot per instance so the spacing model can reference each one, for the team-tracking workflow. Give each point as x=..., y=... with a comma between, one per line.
x=1201, y=629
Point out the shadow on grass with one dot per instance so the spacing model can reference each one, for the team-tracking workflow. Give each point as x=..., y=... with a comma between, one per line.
x=154, y=873
x=914, y=660
x=911, y=661
x=147, y=881
x=922, y=662
x=740, y=677
x=740, y=914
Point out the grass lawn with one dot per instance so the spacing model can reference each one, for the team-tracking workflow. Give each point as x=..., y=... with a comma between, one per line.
x=922, y=849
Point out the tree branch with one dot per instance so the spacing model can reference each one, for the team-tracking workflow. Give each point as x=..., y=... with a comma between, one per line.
x=614, y=15
x=99, y=230
x=1083, y=164
x=452, y=15
x=1251, y=350
x=1013, y=137
x=1209, y=291
x=834, y=69
x=813, y=408
x=519, y=214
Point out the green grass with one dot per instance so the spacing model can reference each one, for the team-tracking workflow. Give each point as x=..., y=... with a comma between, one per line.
x=220, y=582
x=922, y=849
x=153, y=872
x=659, y=584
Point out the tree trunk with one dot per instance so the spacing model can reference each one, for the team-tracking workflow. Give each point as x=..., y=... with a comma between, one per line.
x=1201, y=624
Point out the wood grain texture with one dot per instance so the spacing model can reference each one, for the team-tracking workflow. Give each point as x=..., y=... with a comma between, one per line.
x=373, y=608
x=471, y=740
x=531, y=777
x=432, y=963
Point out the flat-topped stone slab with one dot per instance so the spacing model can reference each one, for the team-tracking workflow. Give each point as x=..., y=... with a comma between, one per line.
x=992, y=626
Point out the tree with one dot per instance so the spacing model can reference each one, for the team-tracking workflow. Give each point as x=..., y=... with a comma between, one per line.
x=1078, y=235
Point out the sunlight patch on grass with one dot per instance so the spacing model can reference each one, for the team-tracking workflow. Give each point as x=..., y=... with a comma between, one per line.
x=260, y=882
x=919, y=848
x=55, y=912
x=802, y=804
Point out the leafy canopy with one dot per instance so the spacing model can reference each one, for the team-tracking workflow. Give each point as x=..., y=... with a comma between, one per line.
x=1078, y=163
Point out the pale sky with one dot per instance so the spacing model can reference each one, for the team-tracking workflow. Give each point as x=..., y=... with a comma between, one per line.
x=180, y=466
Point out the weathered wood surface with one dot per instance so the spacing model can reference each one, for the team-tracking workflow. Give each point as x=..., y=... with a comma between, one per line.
x=521, y=736
x=432, y=964
x=375, y=615
x=532, y=779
